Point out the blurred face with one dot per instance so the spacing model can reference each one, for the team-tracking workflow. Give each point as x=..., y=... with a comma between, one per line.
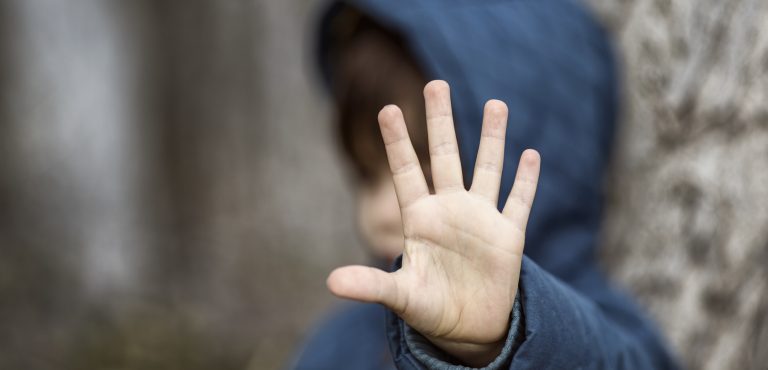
x=378, y=217
x=373, y=68
x=378, y=214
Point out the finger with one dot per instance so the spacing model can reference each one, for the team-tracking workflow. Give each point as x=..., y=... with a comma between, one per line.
x=520, y=200
x=490, y=155
x=409, y=181
x=443, y=150
x=366, y=284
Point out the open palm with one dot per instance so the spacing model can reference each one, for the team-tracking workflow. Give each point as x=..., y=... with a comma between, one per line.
x=461, y=261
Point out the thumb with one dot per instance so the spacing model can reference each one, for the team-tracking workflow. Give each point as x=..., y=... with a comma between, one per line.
x=366, y=284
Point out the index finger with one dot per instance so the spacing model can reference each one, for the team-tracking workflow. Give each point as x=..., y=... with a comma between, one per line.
x=410, y=184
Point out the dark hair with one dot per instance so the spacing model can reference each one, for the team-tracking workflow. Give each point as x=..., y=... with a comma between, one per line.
x=371, y=68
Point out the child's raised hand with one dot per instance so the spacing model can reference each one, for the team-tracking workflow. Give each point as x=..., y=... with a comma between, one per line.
x=461, y=261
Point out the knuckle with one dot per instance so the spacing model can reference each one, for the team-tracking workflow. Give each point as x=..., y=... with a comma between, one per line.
x=443, y=148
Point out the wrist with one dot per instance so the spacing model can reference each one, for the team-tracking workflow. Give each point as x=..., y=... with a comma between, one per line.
x=476, y=355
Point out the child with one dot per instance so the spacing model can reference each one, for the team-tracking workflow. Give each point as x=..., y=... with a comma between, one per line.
x=463, y=293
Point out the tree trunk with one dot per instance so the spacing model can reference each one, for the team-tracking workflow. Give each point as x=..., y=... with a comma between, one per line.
x=687, y=220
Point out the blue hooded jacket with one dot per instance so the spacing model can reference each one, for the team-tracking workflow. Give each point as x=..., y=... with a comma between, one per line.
x=553, y=66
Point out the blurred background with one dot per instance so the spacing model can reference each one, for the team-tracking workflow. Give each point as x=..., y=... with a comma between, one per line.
x=171, y=196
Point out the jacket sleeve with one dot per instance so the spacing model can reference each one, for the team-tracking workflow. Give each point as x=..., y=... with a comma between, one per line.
x=560, y=327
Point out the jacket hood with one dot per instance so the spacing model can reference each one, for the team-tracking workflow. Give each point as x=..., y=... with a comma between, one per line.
x=551, y=63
